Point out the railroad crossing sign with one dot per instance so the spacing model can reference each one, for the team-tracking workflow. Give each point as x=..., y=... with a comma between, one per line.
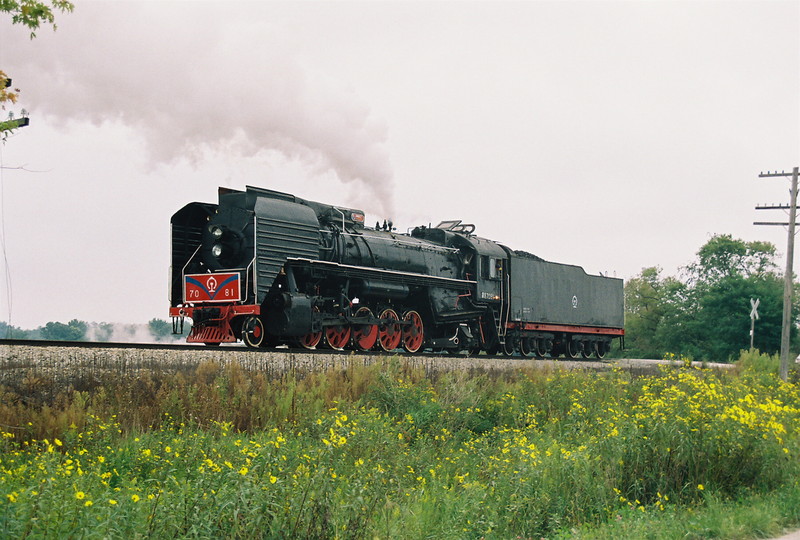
x=753, y=316
x=754, y=306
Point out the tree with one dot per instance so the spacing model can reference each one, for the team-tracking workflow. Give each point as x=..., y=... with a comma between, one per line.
x=12, y=332
x=31, y=14
x=74, y=330
x=706, y=315
x=724, y=256
x=644, y=310
x=726, y=309
x=6, y=95
x=160, y=329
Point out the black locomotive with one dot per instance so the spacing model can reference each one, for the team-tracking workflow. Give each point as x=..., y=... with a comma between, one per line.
x=270, y=268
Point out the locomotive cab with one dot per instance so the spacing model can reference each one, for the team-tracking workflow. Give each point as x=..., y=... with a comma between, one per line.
x=484, y=261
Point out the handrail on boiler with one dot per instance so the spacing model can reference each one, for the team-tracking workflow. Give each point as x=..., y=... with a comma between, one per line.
x=247, y=281
x=183, y=270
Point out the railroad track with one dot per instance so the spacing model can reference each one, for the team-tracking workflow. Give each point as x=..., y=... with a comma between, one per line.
x=95, y=344
x=64, y=355
x=229, y=349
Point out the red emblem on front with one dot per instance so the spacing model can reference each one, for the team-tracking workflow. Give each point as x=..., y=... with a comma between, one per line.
x=211, y=288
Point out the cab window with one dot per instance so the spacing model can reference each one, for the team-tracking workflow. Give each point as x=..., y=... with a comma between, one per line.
x=491, y=268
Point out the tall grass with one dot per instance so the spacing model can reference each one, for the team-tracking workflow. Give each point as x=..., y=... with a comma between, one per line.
x=383, y=451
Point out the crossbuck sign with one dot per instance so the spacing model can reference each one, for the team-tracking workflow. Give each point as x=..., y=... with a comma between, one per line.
x=753, y=316
x=754, y=311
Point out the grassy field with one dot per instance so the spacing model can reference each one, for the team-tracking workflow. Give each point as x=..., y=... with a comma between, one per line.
x=382, y=451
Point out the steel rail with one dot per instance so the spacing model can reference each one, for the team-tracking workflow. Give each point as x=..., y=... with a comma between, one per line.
x=241, y=348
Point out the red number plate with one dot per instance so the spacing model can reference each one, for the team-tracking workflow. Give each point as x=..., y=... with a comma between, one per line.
x=211, y=288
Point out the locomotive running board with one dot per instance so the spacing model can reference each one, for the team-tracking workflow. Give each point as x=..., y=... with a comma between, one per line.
x=365, y=271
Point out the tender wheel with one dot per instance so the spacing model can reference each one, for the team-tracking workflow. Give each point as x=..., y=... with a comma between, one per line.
x=508, y=347
x=253, y=332
x=389, y=333
x=541, y=347
x=526, y=346
x=600, y=350
x=572, y=348
x=337, y=337
x=365, y=335
x=414, y=333
x=586, y=349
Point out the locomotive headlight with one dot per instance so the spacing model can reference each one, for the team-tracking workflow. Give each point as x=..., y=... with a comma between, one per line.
x=216, y=231
x=216, y=250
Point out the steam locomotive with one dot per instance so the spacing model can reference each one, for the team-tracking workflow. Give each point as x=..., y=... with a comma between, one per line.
x=270, y=268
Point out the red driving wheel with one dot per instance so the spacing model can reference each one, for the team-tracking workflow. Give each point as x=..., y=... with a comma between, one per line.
x=312, y=339
x=414, y=333
x=337, y=337
x=389, y=333
x=365, y=335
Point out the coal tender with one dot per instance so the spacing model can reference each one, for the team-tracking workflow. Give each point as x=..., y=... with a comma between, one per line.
x=272, y=269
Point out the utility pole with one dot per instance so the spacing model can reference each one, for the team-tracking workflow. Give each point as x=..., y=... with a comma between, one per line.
x=789, y=275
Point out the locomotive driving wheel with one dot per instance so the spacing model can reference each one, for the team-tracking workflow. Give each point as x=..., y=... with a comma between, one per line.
x=389, y=333
x=312, y=339
x=414, y=333
x=253, y=332
x=365, y=335
x=337, y=337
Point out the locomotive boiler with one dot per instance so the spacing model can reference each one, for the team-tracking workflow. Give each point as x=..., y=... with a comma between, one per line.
x=269, y=268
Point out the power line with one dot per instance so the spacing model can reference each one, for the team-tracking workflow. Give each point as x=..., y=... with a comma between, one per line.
x=3, y=245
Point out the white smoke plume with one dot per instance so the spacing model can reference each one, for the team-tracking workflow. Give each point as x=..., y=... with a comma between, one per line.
x=189, y=85
x=128, y=333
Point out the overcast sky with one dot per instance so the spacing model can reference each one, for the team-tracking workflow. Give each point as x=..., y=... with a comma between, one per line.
x=611, y=135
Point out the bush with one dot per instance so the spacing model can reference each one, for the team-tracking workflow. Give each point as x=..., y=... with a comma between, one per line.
x=383, y=451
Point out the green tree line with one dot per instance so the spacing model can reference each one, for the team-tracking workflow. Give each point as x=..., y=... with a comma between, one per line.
x=76, y=330
x=705, y=312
